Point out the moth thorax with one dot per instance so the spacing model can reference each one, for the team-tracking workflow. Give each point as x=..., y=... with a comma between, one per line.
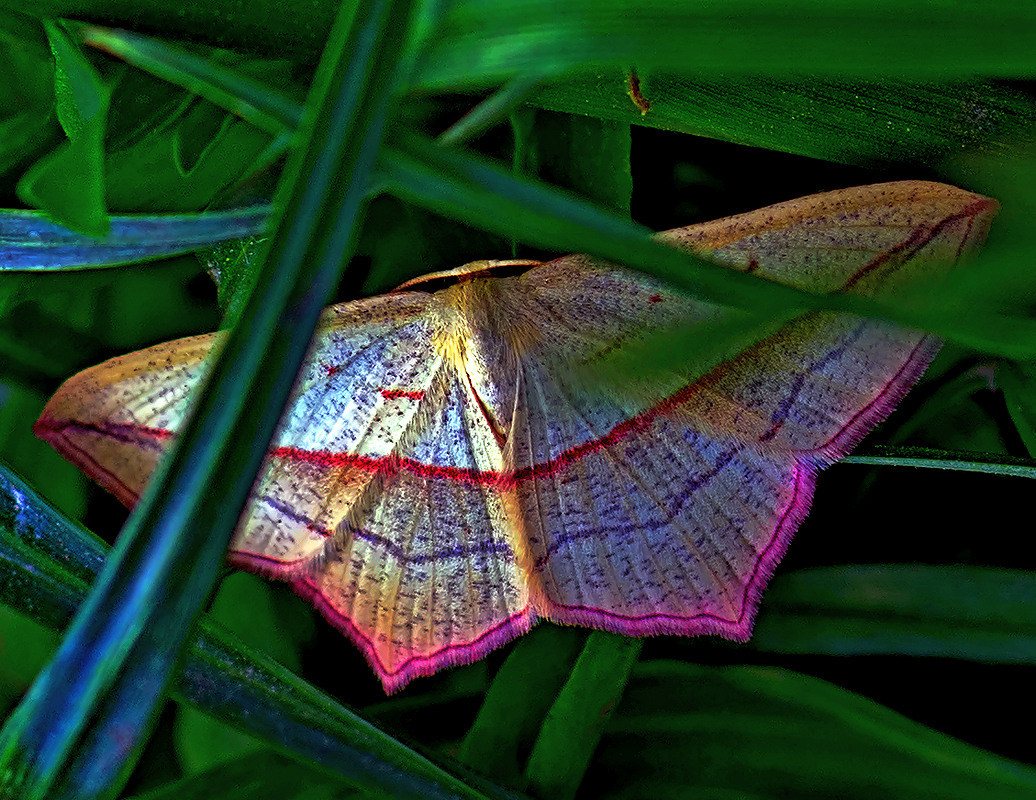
x=480, y=324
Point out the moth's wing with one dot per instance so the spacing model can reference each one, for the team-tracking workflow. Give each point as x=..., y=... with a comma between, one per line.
x=823, y=381
x=376, y=500
x=669, y=514
x=115, y=420
x=423, y=575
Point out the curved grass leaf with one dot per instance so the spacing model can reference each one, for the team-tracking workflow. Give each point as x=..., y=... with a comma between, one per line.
x=473, y=190
x=684, y=730
x=977, y=613
x=79, y=729
x=31, y=241
x=46, y=565
x=272, y=111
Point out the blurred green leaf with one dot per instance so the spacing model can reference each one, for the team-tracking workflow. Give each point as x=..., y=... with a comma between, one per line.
x=590, y=157
x=257, y=776
x=404, y=241
x=684, y=730
x=203, y=742
x=977, y=613
x=244, y=604
x=478, y=41
x=519, y=699
x=69, y=183
x=25, y=646
x=1017, y=380
x=482, y=40
x=18, y=408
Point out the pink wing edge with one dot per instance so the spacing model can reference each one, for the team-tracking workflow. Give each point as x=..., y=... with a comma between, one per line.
x=417, y=666
x=808, y=464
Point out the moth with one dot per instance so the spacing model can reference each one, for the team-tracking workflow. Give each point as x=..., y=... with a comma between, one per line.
x=443, y=477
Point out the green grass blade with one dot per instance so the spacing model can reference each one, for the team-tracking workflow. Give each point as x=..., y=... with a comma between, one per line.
x=475, y=191
x=928, y=458
x=577, y=719
x=81, y=726
x=864, y=121
x=263, y=107
x=30, y=241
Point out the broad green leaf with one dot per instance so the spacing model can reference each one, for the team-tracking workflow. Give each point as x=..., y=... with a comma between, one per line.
x=481, y=40
x=684, y=730
x=864, y=121
x=69, y=182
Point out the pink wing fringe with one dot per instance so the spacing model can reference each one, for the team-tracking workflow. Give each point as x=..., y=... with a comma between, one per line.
x=455, y=655
x=739, y=629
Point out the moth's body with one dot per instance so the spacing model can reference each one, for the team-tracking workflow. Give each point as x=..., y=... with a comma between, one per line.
x=445, y=473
